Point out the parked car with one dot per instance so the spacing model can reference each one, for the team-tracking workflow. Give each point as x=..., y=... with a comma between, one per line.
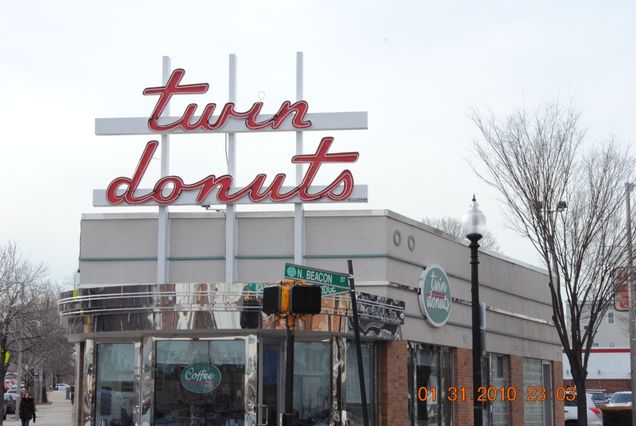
x=599, y=398
x=61, y=386
x=620, y=399
x=10, y=402
x=594, y=415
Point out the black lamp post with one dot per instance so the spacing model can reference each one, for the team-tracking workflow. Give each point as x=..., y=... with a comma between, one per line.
x=474, y=226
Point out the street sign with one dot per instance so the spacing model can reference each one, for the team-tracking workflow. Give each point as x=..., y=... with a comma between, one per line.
x=256, y=287
x=330, y=282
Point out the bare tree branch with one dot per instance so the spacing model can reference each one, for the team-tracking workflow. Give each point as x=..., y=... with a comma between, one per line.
x=536, y=161
x=454, y=228
x=24, y=297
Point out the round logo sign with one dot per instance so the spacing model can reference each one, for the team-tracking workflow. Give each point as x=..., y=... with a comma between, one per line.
x=435, y=295
x=291, y=271
x=200, y=377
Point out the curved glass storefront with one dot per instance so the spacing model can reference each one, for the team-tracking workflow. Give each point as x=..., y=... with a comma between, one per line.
x=156, y=357
x=114, y=385
x=199, y=382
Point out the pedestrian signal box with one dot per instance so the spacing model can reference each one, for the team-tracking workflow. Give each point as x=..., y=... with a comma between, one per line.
x=295, y=299
x=306, y=299
x=276, y=300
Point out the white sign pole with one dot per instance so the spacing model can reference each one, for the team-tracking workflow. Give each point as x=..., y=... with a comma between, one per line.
x=299, y=220
x=230, y=211
x=163, y=231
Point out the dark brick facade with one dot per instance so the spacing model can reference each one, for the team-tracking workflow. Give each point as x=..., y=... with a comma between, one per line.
x=463, y=378
x=393, y=386
x=557, y=380
x=393, y=394
x=516, y=380
x=608, y=385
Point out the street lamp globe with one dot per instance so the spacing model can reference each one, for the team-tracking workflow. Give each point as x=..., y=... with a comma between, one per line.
x=474, y=221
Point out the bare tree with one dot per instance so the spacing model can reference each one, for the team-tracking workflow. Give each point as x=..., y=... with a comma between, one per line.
x=50, y=352
x=455, y=229
x=569, y=204
x=21, y=296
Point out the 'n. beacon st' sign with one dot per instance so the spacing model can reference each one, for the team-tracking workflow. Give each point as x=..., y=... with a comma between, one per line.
x=213, y=189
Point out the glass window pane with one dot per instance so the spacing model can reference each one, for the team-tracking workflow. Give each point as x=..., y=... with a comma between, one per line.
x=532, y=376
x=430, y=367
x=446, y=377
x=499, y=379
x=427, y=374
x=353, y=396
x=185, y=403
x=115, y=363
x=312, y=383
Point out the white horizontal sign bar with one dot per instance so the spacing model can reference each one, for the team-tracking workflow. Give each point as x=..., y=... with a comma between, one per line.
x=319, y=121
x=188, y=198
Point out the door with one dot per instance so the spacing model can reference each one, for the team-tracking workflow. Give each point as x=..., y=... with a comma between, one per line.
x=547, y=404
x=270, y=383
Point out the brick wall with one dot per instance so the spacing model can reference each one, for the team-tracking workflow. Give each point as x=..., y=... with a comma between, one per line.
x=393, y=384
x=557, y=380
x=609, y=385
x=516, y=381
x=463, y=377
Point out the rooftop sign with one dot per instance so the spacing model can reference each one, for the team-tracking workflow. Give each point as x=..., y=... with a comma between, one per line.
x=220, y=189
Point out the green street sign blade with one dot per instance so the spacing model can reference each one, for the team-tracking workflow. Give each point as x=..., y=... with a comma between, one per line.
x=329, y=281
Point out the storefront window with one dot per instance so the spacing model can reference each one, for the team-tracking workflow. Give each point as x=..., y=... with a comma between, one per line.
x=499, y=378
x=114, y=386
x=312, y=383
x=532, y=376
x=200, y=382
x=429, y=367
x=354, y=397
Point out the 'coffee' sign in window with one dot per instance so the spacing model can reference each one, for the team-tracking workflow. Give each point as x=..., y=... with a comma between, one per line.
x=200, y=377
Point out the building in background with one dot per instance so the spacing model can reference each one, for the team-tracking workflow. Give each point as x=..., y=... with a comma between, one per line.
x=609, y=363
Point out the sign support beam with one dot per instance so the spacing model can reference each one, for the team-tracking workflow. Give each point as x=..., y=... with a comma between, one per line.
x=163, y=221
x=299, y=219
x=230, y=211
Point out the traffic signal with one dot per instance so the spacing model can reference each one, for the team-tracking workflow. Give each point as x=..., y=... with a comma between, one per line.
x=306, y=299
x=292, y=298
x=276, y=300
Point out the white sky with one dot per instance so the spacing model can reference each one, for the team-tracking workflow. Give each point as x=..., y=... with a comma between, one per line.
x=416, y=67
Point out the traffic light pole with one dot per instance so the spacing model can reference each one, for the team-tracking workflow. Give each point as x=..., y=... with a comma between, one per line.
x=288, y=415
x=356, y=330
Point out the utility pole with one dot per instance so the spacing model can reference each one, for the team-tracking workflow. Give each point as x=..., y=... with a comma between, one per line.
x=17, y=405
x=288, y=415
x=632, y=300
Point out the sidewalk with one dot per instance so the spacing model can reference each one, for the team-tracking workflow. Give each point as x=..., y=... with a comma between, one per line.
x=57, y=413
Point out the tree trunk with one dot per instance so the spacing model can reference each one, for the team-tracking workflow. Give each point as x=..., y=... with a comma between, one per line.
x=581, y=401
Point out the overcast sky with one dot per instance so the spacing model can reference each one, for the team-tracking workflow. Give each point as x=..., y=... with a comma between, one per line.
x=417, y=68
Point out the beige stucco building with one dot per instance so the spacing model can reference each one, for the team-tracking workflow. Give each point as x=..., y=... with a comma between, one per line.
x=135, y=336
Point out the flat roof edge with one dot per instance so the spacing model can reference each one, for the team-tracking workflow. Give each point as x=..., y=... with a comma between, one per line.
x=311, y=214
